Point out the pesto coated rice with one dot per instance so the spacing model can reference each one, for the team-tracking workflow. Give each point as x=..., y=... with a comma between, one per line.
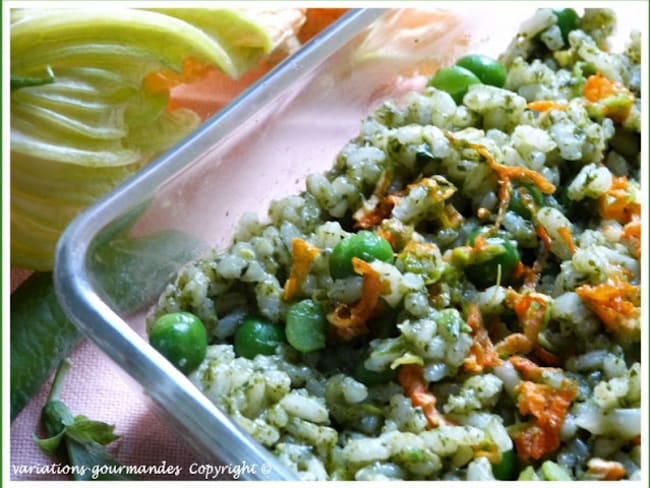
x=500, y=336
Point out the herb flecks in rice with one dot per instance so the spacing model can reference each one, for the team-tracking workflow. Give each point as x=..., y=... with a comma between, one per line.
x=544, y=360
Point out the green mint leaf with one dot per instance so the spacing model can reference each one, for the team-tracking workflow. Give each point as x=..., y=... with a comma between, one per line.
x=93, y=462
x=40, y=337
x=86, y=430
x=50, y=445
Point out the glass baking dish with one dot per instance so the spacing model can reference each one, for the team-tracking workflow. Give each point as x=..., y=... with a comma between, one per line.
x=114, y=259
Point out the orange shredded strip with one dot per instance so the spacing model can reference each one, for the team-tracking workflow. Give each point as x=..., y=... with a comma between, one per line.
x=481, y=354
x=519, y=271
x=632, y=234
x=366, y=219
x=474, y=317
x=545, y=105
x=543, y=235
x=302, y=256
x=530, y=309
x=410, y=377
x=351, y=321
x=548, y=405
x=515, y=172
x=615, y=303
x=532, y=442
x=617, y=204
x=530, y=370
x=605, y=470
x=505, y=174
x=546, y=357
x=164, y=80
x=565, y=234
x=598, y=89
x=516, y=343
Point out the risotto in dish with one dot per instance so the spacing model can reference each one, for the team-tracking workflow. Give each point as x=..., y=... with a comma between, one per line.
x=458, y=298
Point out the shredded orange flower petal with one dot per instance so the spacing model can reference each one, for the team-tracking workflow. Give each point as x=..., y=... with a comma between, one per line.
x=549, y=406
x=410, y=377
x=366, y=219
x=617, y=203
x=546, y=357
x=519, y=271
x=482, y=353
x=505, y=174
x=302, y=256
x=605, y=470
x=532, y=442
x=543, y=235
x=616, y=304
x=515, y=172
x=528, y=369
x=351, y=321
x=516, y=343
x=544, y=105
x=612, y=97
x=383, y=204
x=598, y=87
x=632, y=234
x=531, y=311
x=565, y=234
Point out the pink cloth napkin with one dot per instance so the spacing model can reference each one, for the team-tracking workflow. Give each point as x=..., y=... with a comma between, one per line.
x=100, y=390
x=97, y=388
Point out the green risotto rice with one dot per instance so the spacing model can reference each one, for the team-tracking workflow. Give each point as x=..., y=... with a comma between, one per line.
x=458, y=298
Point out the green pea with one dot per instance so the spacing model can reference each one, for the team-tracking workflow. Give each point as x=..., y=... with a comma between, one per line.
x=454, y=80
x=567, y=21
x=373, y=378
x=488, y=70
x=485, y=273
x=518, y=200
x=506, y=468
x=306, y=326
x=364, y=245
x=257, y=336
x=180, y=337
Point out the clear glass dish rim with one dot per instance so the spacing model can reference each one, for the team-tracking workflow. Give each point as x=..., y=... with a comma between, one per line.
x=104, y=327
